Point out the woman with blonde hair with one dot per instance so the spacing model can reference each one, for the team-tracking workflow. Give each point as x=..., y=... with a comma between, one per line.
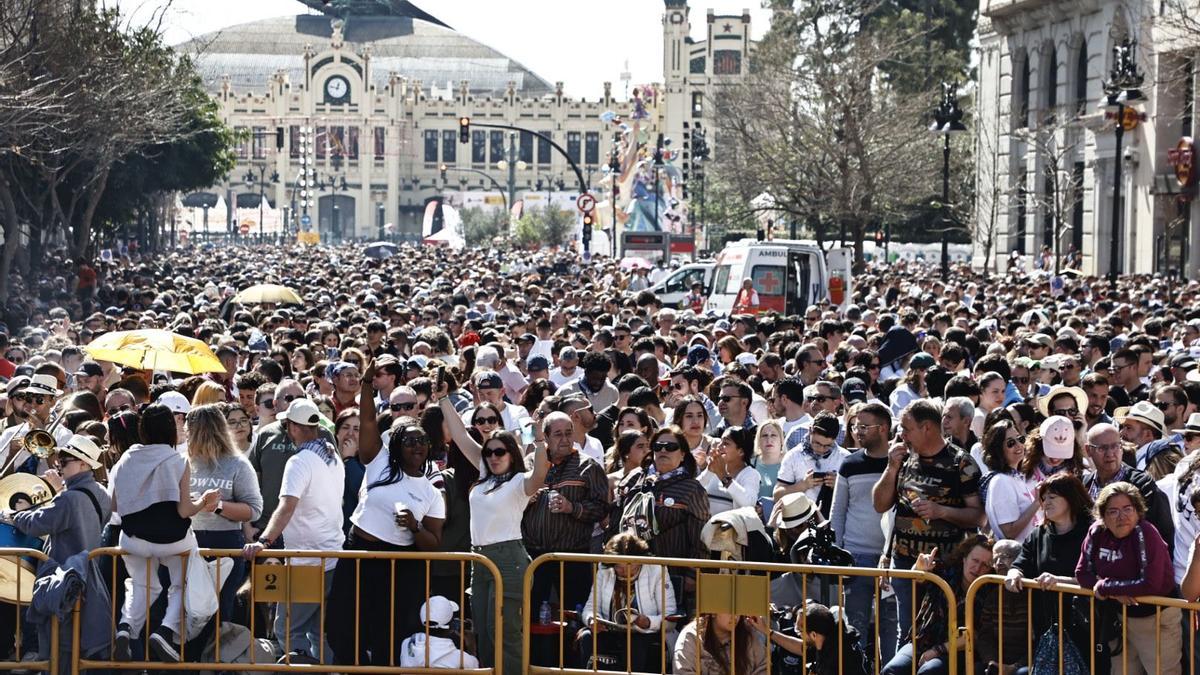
x=217, y=464
x=208, y=392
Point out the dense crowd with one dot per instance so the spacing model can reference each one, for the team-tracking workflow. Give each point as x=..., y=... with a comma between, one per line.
x=515, y=404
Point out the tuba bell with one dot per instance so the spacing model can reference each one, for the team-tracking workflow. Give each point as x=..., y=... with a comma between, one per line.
x=40, y=442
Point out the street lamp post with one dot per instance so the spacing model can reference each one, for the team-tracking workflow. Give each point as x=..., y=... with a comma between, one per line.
x=614, y=175
x=1121, y=91
x=261, y=179
x=658, y=163
x=510, y=163
x=947, y=122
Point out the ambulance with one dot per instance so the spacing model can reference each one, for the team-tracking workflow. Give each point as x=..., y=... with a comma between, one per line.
x=788, y=276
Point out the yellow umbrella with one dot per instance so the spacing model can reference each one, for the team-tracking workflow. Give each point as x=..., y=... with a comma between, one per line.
x=154, y=349
x=268, y=293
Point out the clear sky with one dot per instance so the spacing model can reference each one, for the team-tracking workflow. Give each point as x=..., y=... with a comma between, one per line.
x=582, y=43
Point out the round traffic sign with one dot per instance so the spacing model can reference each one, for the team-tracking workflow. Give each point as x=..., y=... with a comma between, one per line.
x=306, y=220
x=586, y=202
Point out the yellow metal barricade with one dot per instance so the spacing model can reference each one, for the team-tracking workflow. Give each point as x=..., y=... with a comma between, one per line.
x=273, y=582
x=988, y=596
x=18, y=569
x=708, y=587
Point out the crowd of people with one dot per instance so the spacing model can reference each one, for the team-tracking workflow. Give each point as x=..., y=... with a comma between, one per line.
x=514, y=404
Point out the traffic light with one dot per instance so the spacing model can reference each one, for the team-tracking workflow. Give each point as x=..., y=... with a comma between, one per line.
x=588, y=222
x=464, y=130
x=442, y=168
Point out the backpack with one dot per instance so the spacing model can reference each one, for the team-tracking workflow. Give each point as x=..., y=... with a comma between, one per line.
x=1045, y=657
x=638, y=515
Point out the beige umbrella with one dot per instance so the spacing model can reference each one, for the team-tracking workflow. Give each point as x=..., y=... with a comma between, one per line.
x=268, y=294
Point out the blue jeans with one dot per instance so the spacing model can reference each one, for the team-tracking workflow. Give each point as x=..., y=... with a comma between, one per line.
x=860, y=610
x=304, y=624
x=904, y=599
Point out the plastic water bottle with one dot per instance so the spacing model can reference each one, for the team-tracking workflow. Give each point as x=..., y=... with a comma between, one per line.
x=544, y=613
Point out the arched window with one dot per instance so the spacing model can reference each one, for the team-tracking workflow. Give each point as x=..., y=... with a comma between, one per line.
x=1081, y=78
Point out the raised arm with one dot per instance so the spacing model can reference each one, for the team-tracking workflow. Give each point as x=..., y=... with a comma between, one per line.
x=535, y=478
x=458, y=431
x=369, y=440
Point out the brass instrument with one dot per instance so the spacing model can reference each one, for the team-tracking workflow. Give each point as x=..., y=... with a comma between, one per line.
x=40, y=442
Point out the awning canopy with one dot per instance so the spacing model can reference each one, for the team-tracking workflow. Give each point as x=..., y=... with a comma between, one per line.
x=200, y=200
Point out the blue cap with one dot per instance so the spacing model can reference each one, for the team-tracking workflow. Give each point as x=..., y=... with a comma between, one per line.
x=698, y=354
x=488, y=380
x=538, y=362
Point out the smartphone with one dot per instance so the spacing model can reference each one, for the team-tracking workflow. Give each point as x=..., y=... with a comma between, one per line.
x=441, y=378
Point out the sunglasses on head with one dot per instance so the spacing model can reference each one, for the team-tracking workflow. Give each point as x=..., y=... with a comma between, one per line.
x=493, y=452
x=396, y=407
x=485, y=420
x=665, y=446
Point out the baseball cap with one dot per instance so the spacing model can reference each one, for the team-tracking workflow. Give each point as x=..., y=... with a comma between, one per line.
x=175, y=402
x=747, y=359
x=568, y=354
x=90, y=369
x=303, y=412
x=698, y=354
x=921, y=360
x=438, y=611
x=488, y=380
x=854, y=390
x=1058, y=437
x=527, y=337
x=537, y=362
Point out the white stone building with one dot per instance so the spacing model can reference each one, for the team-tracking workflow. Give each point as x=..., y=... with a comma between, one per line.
x=1041, y=115
x=373, y=104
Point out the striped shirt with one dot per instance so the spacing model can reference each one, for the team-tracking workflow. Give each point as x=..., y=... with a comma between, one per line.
x=582, y=482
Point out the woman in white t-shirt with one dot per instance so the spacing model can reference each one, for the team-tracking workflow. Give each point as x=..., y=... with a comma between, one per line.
x=1008, y=497
x=729, y=479
x=398, y=510
x=498, y=503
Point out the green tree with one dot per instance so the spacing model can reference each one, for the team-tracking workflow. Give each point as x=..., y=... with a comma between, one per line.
x=545, y=227
x=481, y=226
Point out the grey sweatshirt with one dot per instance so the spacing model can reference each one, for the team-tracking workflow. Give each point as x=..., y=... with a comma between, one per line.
x=235, y=478
x=146, y=475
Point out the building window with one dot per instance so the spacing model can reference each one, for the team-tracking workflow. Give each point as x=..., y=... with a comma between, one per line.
x=380, y=142
x=478, y=147
x=591, y=148
x=321, y=141
x=727, y=62
x=573, y=146
x=544, y=148
x=431, y=146
x=526, y=148
x=697, y=104
x=1052, y=81
x=449, y=146
x=242, y=149
x=1022, y=212
x=497, y=143
x=294, y=141
x=337, y=142
x=1081, y=78
x=352, y=143
x=1022, y=106
x=696, y=66
x=258, y=140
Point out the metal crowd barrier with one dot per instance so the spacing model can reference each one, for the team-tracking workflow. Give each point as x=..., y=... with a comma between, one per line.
x=1063, y=594
x=726, y=587
x=18, y=569
x=299, y=584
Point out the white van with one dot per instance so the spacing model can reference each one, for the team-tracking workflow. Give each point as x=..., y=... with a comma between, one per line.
x=673, y=288
x=788, y=275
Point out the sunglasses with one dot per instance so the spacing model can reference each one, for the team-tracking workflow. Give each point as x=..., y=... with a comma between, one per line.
x=1163, y=405
x=485, y=420
x=291, y=397
x=396, y=407
x=1066, y=412
x=119, y=409
x=665, y=446
x=1013, y=442
x=414, y=441
x=268, y=403
x=727, y=399
x=36, y=399
x=493, y=452
x=820, y=399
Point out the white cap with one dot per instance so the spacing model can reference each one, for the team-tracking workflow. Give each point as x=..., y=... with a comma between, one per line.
x=303, y=412
x=747, y=359
x=439, y=611
x=176, y=402
x=1058, y=437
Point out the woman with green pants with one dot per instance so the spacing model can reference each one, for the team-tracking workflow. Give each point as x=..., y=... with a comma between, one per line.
x=497, y=504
